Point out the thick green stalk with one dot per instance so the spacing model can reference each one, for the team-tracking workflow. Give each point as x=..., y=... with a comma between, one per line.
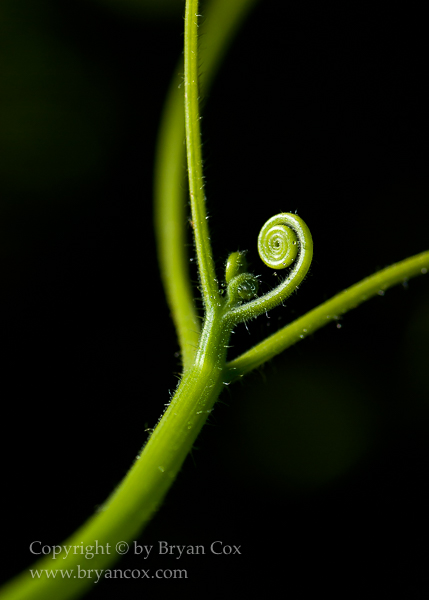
x=133, y=503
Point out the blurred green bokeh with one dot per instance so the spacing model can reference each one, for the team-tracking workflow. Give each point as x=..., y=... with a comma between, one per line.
x=309, y=427
x=55, y=108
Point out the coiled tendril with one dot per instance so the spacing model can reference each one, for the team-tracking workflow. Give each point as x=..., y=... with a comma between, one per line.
x=284, y=240
x=277, y=243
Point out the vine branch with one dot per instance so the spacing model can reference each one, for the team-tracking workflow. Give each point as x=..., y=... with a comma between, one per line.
x=195, y=172
x=323, y=314
x=222, y=18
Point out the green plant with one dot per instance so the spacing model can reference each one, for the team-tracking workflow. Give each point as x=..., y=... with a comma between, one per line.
x=203, y=381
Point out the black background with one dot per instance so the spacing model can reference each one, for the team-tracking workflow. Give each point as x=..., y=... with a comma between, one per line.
x=316, y=465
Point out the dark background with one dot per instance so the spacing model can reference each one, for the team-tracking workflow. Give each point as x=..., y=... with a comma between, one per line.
x=317, y=465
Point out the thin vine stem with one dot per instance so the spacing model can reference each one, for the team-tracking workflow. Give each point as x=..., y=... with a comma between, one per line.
x=323, y=314
x=206, y=266
x=222, y=19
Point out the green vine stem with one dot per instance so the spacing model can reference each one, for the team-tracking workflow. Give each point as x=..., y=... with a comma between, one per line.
x=132, y=504
x=331, y=310
x=284, y=239
x=222, y=19
x=195, y=167
x=169, y=220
